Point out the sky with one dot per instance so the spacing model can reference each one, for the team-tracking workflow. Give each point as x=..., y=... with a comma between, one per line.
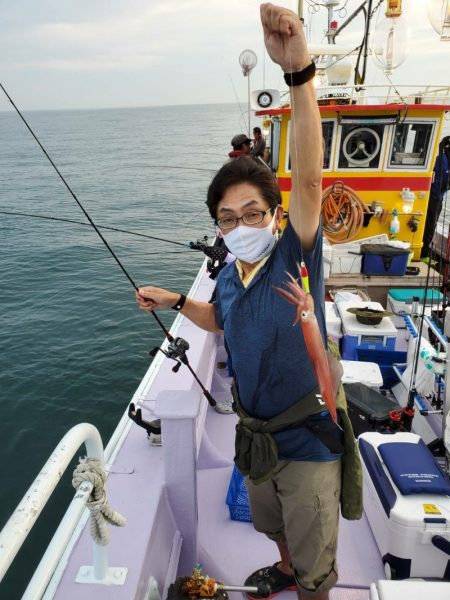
x=58, y=54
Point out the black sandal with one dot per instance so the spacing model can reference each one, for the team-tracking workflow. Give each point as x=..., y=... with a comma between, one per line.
x=270, y=577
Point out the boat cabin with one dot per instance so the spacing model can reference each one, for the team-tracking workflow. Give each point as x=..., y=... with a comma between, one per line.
x=380, y=153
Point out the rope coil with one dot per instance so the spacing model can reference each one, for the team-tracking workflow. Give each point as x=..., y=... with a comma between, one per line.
x=91, y=470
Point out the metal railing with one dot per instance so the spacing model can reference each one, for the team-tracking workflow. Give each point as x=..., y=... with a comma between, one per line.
x=27, y=512
x=386, y=94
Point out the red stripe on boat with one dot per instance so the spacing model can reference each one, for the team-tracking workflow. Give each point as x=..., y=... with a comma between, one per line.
x=369, y=183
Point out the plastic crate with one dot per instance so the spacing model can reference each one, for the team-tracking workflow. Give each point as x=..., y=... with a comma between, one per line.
x=385, y=359
x=237, y=498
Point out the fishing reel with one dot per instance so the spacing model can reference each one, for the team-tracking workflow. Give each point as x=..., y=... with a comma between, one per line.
x=176, y=350
x=216, y=254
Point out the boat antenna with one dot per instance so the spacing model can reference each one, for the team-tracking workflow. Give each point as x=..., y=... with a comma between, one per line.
x=175, y=342
x=364, y=46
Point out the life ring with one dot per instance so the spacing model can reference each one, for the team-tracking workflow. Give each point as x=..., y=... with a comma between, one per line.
x=342, y=213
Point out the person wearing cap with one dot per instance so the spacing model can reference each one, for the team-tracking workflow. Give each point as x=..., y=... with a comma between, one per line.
x=241, y=146
x=259, y=143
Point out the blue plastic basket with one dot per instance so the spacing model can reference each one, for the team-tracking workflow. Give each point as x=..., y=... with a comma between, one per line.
x=385, y=359
x=237, y=498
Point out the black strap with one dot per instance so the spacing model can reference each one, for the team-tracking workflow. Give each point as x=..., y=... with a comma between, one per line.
x=300, y=77
x=327, y=438
x=179, y=305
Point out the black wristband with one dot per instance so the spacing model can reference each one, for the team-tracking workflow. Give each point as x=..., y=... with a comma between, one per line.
x=179, y=305
x=300, y=77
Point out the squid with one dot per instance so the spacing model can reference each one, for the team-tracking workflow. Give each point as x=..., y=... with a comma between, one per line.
x=319, y=357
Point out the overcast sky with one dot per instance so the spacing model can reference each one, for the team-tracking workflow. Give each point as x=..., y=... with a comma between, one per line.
x=117, y=53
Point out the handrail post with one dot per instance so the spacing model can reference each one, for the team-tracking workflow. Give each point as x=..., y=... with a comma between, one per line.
x=178, y=411
x=101, y=563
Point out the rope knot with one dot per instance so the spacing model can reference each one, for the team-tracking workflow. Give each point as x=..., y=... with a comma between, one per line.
x=91, y=470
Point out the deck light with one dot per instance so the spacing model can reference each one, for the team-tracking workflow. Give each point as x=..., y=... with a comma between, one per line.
x=439, y=16
x=390, y=42
x=408, y=198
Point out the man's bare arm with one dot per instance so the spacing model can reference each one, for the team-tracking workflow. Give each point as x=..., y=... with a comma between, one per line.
x=201, y=314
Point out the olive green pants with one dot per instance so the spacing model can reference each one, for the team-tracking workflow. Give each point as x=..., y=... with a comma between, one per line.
x=299, y=506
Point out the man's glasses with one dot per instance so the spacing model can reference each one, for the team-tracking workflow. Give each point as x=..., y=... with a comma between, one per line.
x=252, y=217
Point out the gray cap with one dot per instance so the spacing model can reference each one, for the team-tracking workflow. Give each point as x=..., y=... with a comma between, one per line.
x=239, y=139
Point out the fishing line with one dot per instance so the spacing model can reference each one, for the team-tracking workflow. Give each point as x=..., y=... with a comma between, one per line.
x=156, y=253
x=72, y=193
x=195, y=217
x=50, y=218
x=177, y=346
x=178, y=167
x=294, y=134
x=413, y=382
x=242, y=117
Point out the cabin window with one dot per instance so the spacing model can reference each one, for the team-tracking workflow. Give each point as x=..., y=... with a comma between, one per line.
x=327, y=143
x=327, y=137
x=275, y=135
x=360, y=146
x=411, y=143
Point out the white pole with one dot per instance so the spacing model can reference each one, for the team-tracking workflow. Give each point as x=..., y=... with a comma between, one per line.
x=248, y=104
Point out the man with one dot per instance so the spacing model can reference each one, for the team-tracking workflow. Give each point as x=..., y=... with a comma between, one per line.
x=298, y=503
x=439, y=187
x=241, y=146
x=259, y=143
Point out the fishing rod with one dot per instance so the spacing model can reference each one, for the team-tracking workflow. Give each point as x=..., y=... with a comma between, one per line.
x=413, y=383
x=176, y=345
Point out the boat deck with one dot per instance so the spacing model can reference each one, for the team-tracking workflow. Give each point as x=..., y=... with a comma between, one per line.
x=156, y=489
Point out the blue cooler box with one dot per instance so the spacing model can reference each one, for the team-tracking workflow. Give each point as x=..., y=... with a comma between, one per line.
x=382, y=259
x=358, y=336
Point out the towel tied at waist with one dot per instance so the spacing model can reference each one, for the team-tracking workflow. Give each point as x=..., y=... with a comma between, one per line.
x=256, y=450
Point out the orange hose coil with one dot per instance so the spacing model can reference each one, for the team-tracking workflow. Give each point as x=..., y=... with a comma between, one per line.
x=342, y=213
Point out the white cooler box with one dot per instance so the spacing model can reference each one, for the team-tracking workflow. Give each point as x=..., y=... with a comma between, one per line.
x=356, y=371
x=407, y=503
x=346, y=260
x=333, y=321
x=414, y=589
x=399, y=301
x=368, y=337
x=347, y=257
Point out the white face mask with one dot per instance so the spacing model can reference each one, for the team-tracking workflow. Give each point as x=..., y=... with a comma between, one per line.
x=251, y=244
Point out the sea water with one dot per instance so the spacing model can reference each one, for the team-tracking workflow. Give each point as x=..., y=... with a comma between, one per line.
x=73, y=343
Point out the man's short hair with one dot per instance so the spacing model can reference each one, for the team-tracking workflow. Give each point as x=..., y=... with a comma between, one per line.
x=257, y=130
x=242, y=170
x=240, y=139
